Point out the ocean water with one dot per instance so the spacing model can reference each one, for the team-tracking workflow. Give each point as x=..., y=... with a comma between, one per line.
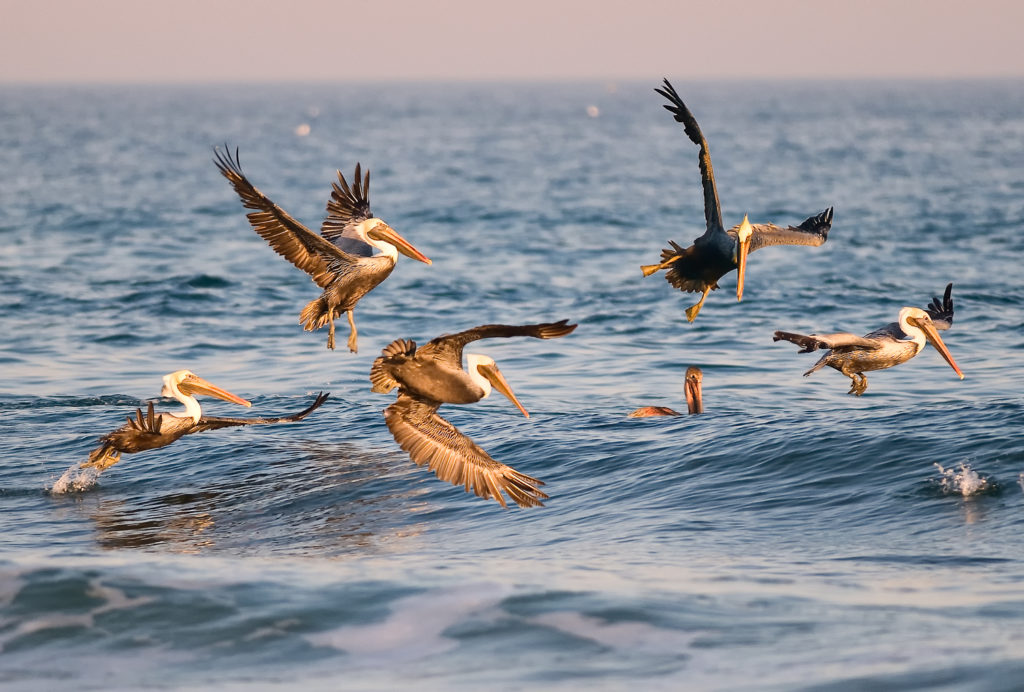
x=792, y=537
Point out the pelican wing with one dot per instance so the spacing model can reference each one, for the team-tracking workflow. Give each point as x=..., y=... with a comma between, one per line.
x=941, y=311
x=449, y=347
x=682, y=114
x=430, y=439
x=346, y=209
x=813, y=342
x=215, y=422
x=302, y=247
x=813, y=231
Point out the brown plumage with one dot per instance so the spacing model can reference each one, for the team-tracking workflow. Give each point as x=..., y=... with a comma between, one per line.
x=340, y=260
x=698, y=268
x=431, y=375
x=153, y=430
x=692, y=390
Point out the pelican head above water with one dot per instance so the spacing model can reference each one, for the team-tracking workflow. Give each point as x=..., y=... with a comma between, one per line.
x=895, y=343
x=432, y=375
x=694, y=397
x=339, y=259
x=718, y=251
x=153, y=430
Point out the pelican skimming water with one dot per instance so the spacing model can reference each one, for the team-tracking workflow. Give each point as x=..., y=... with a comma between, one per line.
x=340, y=260
x=152, y=430
x=717, y=252
x=431, y=375
x=895, y=343
x=694, y=397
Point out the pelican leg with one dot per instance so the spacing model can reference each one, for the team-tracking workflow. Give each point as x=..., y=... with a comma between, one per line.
x=860, y=384
x=354, y=333
x=330, y=335
x=691, y=312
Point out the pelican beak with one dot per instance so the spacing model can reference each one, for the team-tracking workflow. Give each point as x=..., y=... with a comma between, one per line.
x=497, y=380
x=692, y=387
x=384, y=232
x=932, y=335
x=743, y=237
x=193, y=384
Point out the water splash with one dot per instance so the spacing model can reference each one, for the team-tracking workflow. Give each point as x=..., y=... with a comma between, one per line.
x=75, y=479
x=965, y=481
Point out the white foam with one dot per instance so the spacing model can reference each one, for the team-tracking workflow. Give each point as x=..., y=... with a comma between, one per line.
x=75, y=479
x=964, y=482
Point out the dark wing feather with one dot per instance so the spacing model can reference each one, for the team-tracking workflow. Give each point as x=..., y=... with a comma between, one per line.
x=430, y=439
x=289, y=238
x=813, y=342
x=942, y=312
x=214, y=422
x=813, y=231
x=682, y=114
x=346, y=209
x=449, y=347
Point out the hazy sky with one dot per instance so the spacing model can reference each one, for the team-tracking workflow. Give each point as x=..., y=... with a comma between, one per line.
x=229, y=40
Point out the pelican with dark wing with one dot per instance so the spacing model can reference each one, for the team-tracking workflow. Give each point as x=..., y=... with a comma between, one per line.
x=340, y=260
x=717, y=252
x=694, y=397
x=431, y=375
x=895, y=343
x=152, y=430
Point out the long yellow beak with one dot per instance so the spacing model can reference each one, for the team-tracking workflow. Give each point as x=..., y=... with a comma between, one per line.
x=932, y=335
x=384, y=232
x=741, y=262
x=692, y=388
x=497, y=380
x=193, y=384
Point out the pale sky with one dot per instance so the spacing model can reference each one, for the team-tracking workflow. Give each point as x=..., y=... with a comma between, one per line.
x=371, y=40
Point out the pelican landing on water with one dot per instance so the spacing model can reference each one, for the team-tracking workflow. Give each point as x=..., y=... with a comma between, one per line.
x=718, y=251
x=154, y=430
x=694, y=397
x=895, y=343
x=431, y=375
x=340, y=260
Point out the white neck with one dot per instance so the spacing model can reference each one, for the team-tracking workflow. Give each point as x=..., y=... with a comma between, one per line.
x=473, y=360
x=386, y=249
x=915, y=333
x=192, y=408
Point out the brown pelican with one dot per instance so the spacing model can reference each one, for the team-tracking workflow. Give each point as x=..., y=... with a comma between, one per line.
x=694, y=398
x=432, y=375
x=718, y=251
x=340, y=260
x=895, y=343
x=154, y=430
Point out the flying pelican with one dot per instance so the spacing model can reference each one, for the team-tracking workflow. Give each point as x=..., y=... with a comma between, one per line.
x=154, y=430
x=895, y=343
x=718, y=251
x=340, y=260
x=694, y=397
x=432, y=375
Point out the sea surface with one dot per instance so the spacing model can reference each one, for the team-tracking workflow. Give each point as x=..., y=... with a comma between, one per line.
x=792, y=537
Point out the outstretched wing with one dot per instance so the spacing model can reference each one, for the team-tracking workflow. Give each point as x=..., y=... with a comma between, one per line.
x=215, y=422
x=449, y=347
x=346, y=209
x=813, y=342
x=682, y=114
x=430, y=439
x=813, y=231
x=941, y=312
x=302, y=247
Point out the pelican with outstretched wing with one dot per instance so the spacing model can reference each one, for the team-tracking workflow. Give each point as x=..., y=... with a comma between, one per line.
x=153, y=430
x=895, y=343
x=340, y=260
x=431, y=375
x=717, y=252
x=692, y=388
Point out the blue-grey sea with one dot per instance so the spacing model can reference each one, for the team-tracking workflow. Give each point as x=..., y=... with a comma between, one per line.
x=791, y=538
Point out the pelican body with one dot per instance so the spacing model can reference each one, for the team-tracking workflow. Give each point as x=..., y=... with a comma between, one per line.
x=431, y=375
x=694, y=397
x=717, y=252
x=154, y=430
x=895, y=343
x=340, y=259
